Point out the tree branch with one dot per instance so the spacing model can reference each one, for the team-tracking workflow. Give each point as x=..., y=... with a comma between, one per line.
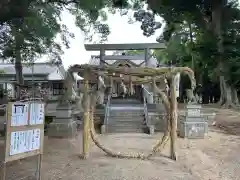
x=66, y=3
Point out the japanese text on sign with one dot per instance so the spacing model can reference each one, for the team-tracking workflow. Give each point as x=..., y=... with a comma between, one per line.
x=24, y=114
x=19, y=114
x=24, y=141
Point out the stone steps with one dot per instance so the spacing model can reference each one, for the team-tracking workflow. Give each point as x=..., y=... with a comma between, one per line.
x=125, y=101
x=135, y=121
x=126, y=124
x=125, y=116
x=132, y=120
x=126, y=127
x=126, y=106
x=124, y=130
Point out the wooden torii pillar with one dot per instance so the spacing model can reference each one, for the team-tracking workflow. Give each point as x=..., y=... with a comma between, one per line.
x=86, y=116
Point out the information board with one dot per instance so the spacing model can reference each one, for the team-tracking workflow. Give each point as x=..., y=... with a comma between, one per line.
x=25, y=130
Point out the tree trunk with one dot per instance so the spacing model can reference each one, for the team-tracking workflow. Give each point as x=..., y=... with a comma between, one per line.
x=191, y=39
x=174, y=117
x=226, y=94
x=226, y=98
x=19, y=74
x=235, y=99
x=18, y=63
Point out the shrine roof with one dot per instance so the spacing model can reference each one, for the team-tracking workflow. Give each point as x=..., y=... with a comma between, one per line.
x=36, y=69
x=95, y=60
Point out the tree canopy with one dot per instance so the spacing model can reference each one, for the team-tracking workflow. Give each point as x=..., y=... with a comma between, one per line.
x=201, y=34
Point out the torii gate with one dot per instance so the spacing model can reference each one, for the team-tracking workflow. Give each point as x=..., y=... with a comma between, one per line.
x=102, y=48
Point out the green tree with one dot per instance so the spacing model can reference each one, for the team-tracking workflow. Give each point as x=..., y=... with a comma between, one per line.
x=31, y=37
x=210, y=17
x=28, y=31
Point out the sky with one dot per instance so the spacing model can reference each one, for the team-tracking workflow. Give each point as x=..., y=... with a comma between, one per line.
x=121, y=32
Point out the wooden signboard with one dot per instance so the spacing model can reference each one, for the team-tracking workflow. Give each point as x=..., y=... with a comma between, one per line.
x=24, y=131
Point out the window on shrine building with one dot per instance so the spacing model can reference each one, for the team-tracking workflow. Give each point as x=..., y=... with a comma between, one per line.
x=57, y=88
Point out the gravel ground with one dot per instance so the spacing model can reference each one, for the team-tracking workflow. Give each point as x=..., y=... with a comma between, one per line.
x=214, y=158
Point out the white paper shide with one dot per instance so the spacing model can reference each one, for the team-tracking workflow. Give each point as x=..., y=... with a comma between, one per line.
x=25, y=141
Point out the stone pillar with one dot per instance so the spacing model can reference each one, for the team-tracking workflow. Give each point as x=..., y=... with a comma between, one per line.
x=102, y=53
x=101, y=97
x=5, y=86
x=151, y=129
x=103, y=129
x=114, y=88
x=147, y=95
x=12, y=89
x=148, y=86
x=111, y=85
x=147, y=57
x=101, y=92
x=154, y=89
x=63, y=125
x=130, y=86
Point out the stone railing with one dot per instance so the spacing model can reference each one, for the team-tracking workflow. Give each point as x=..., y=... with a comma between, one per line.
x=106, y=114
x=148, y=95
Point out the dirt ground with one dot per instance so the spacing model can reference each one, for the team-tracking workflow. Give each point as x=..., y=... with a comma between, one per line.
x=214, y=158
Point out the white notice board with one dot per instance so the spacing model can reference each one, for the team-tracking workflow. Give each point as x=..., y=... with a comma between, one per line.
x=24, y=141
x=25, y=130
x=36, y=113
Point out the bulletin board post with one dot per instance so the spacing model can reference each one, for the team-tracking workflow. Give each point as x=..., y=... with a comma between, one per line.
x=24, y=133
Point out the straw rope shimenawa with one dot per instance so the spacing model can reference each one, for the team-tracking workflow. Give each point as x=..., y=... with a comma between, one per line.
x=170, y=105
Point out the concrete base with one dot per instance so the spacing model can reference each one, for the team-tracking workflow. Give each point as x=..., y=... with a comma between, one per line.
x=67, y=129
x=103, y=129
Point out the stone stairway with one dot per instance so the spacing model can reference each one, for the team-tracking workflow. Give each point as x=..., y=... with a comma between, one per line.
x=125, y=116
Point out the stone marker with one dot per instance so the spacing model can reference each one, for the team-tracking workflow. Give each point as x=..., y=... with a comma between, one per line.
x=103, y=129
x=193, y=125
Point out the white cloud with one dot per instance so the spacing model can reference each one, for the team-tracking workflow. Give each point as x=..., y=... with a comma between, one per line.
x=121, y=32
